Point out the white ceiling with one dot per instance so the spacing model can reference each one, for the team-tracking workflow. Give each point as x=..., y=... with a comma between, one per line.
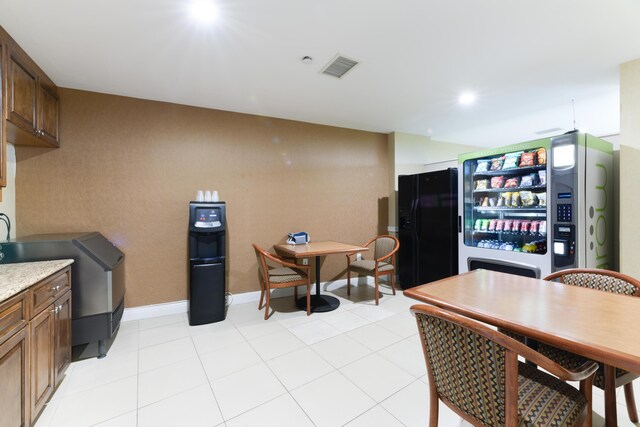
x=525, y=59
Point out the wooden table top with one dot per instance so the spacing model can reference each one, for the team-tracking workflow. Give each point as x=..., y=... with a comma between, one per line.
x=598, y=325
x=317, y=248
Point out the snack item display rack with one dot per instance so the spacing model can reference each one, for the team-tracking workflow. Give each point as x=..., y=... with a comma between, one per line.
x=530, y=208
x=510, y=202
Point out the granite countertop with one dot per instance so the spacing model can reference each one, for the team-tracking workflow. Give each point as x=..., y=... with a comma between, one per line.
x=14, y=278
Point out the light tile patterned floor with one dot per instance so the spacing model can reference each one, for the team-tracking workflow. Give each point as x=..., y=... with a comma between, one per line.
x=360, y=365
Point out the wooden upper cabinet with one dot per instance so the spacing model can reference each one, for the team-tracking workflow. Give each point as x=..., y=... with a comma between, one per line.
x=31, y=101
x=48, y=113
x=22, y=90
x=3, y=140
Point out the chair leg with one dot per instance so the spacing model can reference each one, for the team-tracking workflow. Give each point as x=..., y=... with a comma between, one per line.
x=308, y=300
x=631, y=402
x=261, y=299
x=377, y=294
x=348, y=282
x=266, y=308
x=393, y=284
x=433, y=409
x=586, y=388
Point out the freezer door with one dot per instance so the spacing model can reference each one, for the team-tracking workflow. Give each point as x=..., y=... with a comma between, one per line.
x=406, y=262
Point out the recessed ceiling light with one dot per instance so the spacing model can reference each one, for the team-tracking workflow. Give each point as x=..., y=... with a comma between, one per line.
x=203, y=11
x=467, y=98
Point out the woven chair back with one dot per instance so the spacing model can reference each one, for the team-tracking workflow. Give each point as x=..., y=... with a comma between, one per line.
x=468, y=368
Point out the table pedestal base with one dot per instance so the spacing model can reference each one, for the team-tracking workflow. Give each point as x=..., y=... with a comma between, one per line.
x=319, y=303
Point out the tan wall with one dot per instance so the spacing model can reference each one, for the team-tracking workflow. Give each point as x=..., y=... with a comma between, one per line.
x=129, y=167
x=8, y=203
x=414, y=154
x=629, y=160
x=630, y=104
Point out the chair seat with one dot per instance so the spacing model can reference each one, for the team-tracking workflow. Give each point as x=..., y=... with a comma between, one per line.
x=543, y=400
x=368, y=266
x=284, y=275
x=572, y=361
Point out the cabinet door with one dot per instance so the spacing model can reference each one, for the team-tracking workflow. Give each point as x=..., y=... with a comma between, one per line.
x=62, y=334
x=22, y=87
x=3, y=140
x=48, y=114
x=41, y=369
x=14, y=380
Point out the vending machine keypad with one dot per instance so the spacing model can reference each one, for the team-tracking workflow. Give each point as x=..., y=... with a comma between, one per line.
x=564, y=213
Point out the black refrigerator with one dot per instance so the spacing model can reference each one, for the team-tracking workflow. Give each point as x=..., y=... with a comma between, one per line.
x=427, y=227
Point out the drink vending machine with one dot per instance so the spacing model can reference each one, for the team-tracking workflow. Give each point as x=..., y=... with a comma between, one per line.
x=537, y=207
x=207, y=248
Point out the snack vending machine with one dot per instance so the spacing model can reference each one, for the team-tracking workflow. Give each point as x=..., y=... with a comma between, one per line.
x=537, y=207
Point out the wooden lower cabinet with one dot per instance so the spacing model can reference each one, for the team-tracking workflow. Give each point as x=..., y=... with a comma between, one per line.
x=62, y=336
x=14, y=380
x=42, y=369
x=35, y=348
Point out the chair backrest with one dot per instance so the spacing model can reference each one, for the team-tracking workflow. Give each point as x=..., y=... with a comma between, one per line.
x=384, y=245
x=262, y=263
x=466, y=366
x=603, y=280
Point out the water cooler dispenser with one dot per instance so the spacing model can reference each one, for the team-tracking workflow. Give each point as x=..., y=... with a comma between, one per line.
x=206, y=262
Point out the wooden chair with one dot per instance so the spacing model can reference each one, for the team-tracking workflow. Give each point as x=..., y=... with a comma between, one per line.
x=608, y=281
x=382, y=264
x=286, y=276
x=475, y=371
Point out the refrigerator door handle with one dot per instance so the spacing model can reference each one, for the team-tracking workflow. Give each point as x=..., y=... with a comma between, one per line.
x=417, y=219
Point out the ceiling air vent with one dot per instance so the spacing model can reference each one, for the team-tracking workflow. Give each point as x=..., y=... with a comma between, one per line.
x=339, y=66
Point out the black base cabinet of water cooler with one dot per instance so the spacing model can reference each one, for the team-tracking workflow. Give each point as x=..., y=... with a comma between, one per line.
x=206, y=292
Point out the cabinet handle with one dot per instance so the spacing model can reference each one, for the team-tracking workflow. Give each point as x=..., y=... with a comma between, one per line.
x=55, y=288
x=55, y=310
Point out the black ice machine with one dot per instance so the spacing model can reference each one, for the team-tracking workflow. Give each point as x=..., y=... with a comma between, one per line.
x=206, y=262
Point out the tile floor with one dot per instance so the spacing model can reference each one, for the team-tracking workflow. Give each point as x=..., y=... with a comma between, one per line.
x=360, y=365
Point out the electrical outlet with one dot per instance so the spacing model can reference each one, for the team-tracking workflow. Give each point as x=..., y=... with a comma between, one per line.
x=305, y=261
x=358, y=256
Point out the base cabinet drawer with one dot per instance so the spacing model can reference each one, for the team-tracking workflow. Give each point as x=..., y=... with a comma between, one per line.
x=14, y=380
x=47, y=291
x=14, y=315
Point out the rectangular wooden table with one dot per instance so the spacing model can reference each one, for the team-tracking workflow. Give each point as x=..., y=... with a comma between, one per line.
x=601, y=326
x=319, y=303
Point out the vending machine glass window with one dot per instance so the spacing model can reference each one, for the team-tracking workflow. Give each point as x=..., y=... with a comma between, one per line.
x=505, y=202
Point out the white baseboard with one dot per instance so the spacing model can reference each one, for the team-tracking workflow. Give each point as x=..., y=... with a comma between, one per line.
x=155, y=310
x=178, y=307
